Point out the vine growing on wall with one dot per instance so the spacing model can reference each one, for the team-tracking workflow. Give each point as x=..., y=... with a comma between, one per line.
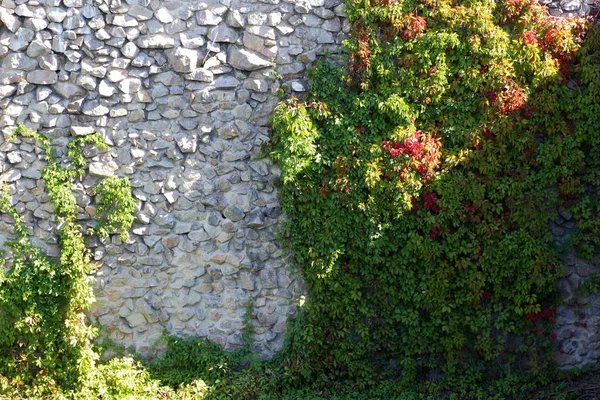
x=44, y=338
x=420, y=180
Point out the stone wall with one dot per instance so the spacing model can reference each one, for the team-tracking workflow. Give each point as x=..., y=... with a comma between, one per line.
x=570, y=8
x=578, y=317
x=183, y=92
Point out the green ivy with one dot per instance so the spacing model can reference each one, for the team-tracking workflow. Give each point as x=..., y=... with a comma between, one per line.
x=115, y=207
x=420, y=180
x=45, y=342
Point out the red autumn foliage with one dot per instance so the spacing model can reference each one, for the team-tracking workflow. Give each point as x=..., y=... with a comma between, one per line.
x=430, y=202
x=423, y=152
x=415, y=204
x=511, y=99
x=435, y=232
x=360, y=59
x=419, y=25
x=529, y=37
x=547, y=314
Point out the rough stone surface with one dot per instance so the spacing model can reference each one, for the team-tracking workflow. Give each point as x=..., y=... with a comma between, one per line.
x=570, y=8
x=183, y=92
x=41, y=77
x=577, y=329
x=183, y=60
x=246, y=60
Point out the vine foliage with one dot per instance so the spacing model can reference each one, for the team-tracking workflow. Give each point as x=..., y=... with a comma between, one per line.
x=420, y=181
x=44, y=339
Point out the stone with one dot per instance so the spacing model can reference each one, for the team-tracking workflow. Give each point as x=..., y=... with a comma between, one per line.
x=262, y=31
x=37, y=48
x=235, y=19
x=69, y=90
x=183, y=60
x=19, y=61
x=81, y=130
x=135, y=319
x=291, y=69
x=226, y=82
x=130, y=50
x=24, y=11
x=206, y=17
x=246, y=60
x=265, y=319
x=12, y=175
x=298, y=86
x=201, y=75
x=130, y=85
x=163, y=15
x=234, y=213
x=198, y=236
x=191, y=40
x=150, y=260
x=56, y=14
x=10, y=21
x=253, y=42
x=274, y=19
x=74, y=106
x=228, y=131
x=74, y=20
x=143, y=97
x=49, y=62
x=116, y=75
x=187, y=144
x=268, y=278
x=103, y=169
x=59, y=44
x=332, y=25
x=21, y=39
x=90, y=67
x=106, y=89
x=118, y=112
x=14, y=157
x=7, y=90
x=247, y=280
x=257, y=85
x=94, y=108
x=42, y=77
x=140, y=13
x=570, y=5
x=311, y=20
x=124, y=20
x=159, y=41
x=325, y=38
x=256, y=18
x=36, y=24
x=223, y=34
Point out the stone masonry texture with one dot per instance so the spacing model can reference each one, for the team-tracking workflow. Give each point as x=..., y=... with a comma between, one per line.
x=183, y=91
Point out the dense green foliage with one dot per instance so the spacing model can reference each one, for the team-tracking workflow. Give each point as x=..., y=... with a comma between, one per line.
x=44, y=338
x=420, y=182
x=195, y=369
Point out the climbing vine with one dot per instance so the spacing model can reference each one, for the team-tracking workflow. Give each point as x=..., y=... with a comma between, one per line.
x=44, y=338
x=420, y=179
